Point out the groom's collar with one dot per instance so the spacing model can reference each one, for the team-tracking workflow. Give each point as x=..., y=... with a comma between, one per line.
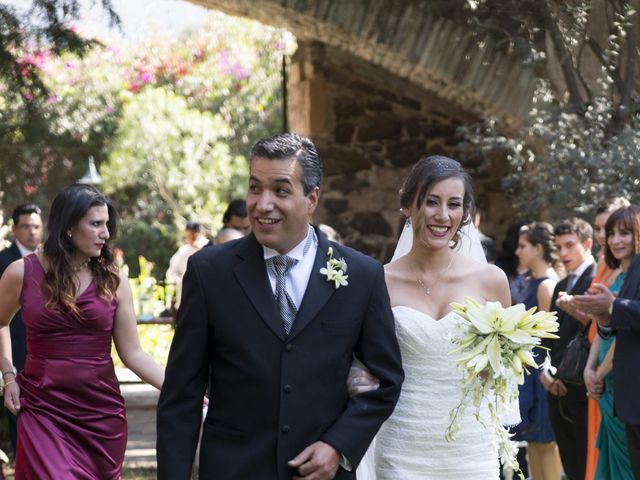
x=296, y=252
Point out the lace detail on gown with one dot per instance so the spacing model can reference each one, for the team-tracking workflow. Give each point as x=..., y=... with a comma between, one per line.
x=411, y=444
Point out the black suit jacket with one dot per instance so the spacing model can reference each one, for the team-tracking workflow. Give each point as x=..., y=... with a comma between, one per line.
x=625, y=319
x=272, y=395
x=18, y=333
x=569, y=326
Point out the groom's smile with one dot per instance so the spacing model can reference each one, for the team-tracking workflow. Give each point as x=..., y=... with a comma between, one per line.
x=279, y=210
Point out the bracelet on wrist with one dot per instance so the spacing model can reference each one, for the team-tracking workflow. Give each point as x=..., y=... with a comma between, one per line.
x=10, y=372
x=6, y=384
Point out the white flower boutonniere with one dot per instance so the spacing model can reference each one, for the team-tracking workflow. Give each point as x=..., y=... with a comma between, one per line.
x=335, y=270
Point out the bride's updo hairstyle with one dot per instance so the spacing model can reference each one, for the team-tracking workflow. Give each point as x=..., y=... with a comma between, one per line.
x=429, y=171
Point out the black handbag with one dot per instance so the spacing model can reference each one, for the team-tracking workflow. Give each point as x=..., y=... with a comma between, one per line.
x=575, y=357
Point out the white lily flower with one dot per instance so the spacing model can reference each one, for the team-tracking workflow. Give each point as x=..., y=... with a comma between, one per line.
x=520, y=336
x=546, y=365
x=493, y=352
x=527, y=358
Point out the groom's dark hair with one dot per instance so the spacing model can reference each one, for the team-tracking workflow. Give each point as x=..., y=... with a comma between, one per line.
x=287, y=145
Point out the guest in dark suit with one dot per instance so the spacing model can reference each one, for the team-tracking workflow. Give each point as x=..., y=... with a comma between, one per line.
x=622, y=315
x=274, y=339
x=568, y=402
x=27, y=236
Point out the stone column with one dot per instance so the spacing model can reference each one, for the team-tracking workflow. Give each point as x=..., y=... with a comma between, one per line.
x=308, y=95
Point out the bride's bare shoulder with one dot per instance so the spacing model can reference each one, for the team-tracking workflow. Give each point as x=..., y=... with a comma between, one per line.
x=396, y=271
x=486, y=271
x=491, y=279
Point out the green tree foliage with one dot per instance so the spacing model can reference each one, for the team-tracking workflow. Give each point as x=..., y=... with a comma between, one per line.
x=581, y=139
x=167, y=151
x=27, y=36
x=169, y=121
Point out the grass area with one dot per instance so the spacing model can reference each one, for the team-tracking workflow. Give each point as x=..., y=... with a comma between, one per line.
x=139, y=474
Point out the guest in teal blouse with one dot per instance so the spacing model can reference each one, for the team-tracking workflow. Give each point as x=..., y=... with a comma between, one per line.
x=623, y=242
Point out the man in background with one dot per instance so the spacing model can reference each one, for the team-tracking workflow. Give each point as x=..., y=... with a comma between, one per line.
x=27, y=236
x=195, y=239
x=226, y=235
x=568, y=401
x=235, y=216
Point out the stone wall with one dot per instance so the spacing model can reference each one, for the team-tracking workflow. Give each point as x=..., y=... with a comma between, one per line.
x=370, y=127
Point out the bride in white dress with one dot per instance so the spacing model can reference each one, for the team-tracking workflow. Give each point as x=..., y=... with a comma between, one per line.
x=437, y=200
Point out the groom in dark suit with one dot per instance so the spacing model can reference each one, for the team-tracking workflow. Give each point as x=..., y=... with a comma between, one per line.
x=621, y=315
x=273, y=337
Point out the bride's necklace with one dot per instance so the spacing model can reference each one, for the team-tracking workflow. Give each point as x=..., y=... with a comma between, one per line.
x=77, y=268
x=426, y=289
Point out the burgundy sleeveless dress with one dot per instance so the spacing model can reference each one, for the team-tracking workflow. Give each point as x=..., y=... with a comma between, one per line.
x=72, y=424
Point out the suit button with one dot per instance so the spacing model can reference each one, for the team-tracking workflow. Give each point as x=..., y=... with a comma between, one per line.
x=285, y=429
x=288, y=347
x=287, y=388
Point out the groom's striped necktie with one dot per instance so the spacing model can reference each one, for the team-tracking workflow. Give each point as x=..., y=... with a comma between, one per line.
x=280, y=266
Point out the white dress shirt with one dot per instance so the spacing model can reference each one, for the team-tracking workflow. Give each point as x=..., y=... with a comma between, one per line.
x=580, y=270
x=24, y=251
x=297, y=278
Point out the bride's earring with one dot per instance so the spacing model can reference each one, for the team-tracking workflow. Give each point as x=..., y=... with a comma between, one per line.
x=407, y=222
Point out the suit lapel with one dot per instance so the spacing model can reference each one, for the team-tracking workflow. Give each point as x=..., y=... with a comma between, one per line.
x=632, y=280
x=15, y=251
x=318, y=289
x=251, y=272
x=583, y=283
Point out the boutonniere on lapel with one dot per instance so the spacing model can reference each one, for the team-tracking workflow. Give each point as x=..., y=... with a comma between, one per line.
x=335, y=270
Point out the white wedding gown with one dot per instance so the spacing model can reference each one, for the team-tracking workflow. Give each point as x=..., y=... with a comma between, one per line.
x=411, y=444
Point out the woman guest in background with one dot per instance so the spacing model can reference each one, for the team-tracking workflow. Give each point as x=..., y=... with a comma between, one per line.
x=623, y=242
x=607, y=276
x=537, y=252
x=74, y=301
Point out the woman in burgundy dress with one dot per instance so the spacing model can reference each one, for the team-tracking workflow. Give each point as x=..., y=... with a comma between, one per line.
x=72, y=422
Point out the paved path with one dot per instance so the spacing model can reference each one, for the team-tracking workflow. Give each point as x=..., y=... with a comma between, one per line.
x=141, y=401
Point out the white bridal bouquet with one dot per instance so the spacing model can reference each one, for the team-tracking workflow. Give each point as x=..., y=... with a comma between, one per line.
x=495, y=346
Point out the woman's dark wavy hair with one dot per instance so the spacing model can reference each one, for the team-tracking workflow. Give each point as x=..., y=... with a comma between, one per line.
x=629, y=218
x=541, y=233
x=429, y=171
x=67, y=209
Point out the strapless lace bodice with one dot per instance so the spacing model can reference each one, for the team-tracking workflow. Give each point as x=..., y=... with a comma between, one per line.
x=411, y=444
